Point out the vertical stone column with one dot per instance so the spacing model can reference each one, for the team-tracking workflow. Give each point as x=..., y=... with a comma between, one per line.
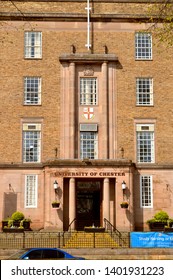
x=72, y=206
x=112, y=111
x=106, y=199
x=131, y=208
x=72, y=111
x=104, y=112
x=64, y=111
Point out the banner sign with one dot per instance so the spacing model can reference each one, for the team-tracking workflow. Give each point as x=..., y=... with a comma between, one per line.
x=151, y=240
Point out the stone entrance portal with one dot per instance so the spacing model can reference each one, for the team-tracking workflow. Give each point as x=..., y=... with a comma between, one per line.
x=88, y=204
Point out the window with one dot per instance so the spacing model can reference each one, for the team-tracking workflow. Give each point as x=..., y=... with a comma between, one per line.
x=143, y=44
x=32, y=90
x=34, y=255
x=145, y=143
x=88, y=91
x=52, y=254
x=89, y=145
x=146, y=197
x=31, y=191
x=31, y=142
x=144, y=91
x=33, y=44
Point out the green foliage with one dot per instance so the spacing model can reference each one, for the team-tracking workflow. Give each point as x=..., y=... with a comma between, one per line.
x=124, y=203
x=10, y=223
x=55, y=202
x=161, y=19
x=17, y=216
x=161, y=217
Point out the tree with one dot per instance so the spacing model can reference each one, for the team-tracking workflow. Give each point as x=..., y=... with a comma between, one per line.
x=161, y=17
x=10, y=6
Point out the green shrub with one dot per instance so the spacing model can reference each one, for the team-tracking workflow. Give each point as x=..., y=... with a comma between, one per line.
x=161, y=217
x=10, y=223
x=17, y=216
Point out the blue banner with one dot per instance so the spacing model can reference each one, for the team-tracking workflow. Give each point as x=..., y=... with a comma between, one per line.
x=151, y=240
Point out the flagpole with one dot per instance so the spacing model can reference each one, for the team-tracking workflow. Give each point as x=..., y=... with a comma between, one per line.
x=88, y=45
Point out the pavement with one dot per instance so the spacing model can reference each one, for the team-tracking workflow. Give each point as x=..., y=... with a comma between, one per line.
x=111, y=254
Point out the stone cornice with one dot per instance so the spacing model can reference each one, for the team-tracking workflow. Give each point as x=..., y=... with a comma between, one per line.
x=88, y=162
x=94, y=1
x=119, y=163
x=84, y=57
x=71, y=17
x=21, y=166
x=154, y=166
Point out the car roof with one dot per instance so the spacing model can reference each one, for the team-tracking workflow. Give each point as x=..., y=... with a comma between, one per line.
x=66, y=255
x=21, y=254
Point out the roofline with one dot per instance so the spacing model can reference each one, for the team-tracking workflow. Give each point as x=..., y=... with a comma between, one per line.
x=97, y=1
x=71, y=17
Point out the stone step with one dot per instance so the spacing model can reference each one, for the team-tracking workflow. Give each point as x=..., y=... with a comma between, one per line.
x=86, y=240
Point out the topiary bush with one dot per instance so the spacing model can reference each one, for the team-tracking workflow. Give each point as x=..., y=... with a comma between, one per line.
x=159, y=221
x=16, y=222
x=161, y=216
x=17, y=216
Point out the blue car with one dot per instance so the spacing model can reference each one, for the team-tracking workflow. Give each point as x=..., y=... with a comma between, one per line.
x=47, y=253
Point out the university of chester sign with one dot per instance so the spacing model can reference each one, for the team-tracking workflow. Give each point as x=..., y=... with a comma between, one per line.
x=88, y=174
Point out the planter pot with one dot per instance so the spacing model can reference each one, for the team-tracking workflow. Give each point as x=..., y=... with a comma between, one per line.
x=4, y=224
x=26, y=225
x=124, y=206
x=56, y=205
x=90, y=229
x=157, y=226
x=13, y=230
x=169, y=229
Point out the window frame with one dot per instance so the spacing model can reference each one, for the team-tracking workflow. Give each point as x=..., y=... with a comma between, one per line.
x=88, y=98
x=145, y=143
x=32, y=191
x=33, y=49
x=146, y=84
x=146, y=190
x=90, y=142
x=29, y=81
x=143, y=46
x=32, y=141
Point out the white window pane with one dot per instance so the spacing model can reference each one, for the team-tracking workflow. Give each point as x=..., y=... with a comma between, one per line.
x=31, y=146
x=145, y=144
x=31, y=191
x=143, y=46
x=33, y=44
x=88, y=91
x=146, y=196
x=144, y=91
x=89, y=145
x=32, y=90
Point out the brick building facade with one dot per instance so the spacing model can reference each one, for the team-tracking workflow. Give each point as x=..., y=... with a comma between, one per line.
x=86, y=101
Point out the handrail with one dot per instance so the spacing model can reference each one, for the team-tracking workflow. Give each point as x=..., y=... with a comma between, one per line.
x=69, y=226
x=109, y=226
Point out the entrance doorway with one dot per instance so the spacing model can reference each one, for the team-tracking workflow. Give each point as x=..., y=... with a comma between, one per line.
x=88, y=204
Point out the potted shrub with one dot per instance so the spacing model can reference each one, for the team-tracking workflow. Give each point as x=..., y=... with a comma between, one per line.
x=16, y=218
x=16, y=223
x=55, y=204
x=94, y=229
x=169, y=226
x=25, y=223
x=124, y=204
x=159, y=221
